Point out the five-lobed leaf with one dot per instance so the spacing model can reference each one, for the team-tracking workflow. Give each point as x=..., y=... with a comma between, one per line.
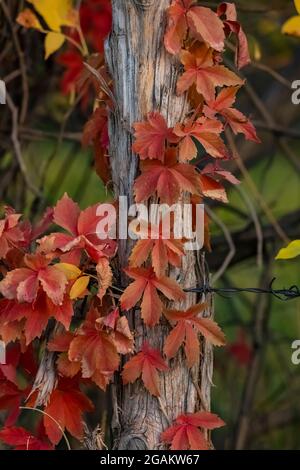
x=164, y=248
x=66, y=407
x=168, y=179
x=23, y=283
x=145, y=364
x=206, y=132
x=145, y=286
x=188, y=326
x=185, y=434
x=201, y=70
x=151, y=136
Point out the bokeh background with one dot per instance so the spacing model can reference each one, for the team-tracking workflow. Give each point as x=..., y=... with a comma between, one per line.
x=256, y=387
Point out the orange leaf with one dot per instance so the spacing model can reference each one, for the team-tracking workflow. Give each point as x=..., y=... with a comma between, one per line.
x=146, y=284
x=188, y=326
x=28, y=19
x=200, y=70
x=163, y=251
x=212, y=189
x=146, y=364
x=206, y=25
x=206, y=132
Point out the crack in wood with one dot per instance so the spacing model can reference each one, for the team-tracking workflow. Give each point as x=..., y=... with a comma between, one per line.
x=144, y=4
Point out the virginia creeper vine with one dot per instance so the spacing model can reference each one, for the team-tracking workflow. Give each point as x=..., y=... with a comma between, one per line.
x=71, y=271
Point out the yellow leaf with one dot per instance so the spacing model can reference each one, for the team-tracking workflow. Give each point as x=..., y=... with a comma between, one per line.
x=79, y=287
x=56, y=13
x=297, y=5
x=71, y=271
x=292, y=26
x=53, y=42
x=28, y=19
x=291, y=251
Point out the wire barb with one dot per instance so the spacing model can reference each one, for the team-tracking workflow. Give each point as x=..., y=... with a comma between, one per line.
x=284, y=295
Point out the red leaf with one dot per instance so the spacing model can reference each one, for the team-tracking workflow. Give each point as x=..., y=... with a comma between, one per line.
x=10, y=232
x=151, y=136
x=42, y=225
x=10, y=399
x=240, y=349
x=146, y=364
x=66, y=214
x=240, y=124
x=66, y=406
x=23, y=283
x=94, y=348
x=146, y=285
x=95, y=130
x=168, y=179
x=215, y=170
x=61, y=343
x=242, y=57
x=83, y=229
x=235, y=119
x=72, y=61
x=204, y=24
x=212, y=189
x=184, y=433
x=22, y=439
x=38, y=314
x=95, y=20
x=119, y=330
x=188, y=326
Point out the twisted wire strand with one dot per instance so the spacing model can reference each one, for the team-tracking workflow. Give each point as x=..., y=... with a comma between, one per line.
x=284, y=294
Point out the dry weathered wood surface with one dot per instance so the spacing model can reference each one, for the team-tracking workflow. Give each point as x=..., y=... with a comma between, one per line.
x=145, y=76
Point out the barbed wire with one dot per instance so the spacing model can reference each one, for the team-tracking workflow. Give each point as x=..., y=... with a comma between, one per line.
x=284, y=294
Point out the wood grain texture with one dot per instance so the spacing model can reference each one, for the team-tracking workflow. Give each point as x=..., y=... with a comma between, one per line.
x=145, y=77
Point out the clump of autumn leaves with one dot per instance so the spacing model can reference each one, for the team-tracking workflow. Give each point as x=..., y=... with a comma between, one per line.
x=71, y=269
